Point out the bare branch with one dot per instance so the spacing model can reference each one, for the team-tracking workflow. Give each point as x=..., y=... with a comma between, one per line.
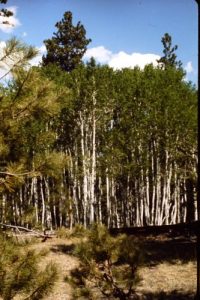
x=43, y=235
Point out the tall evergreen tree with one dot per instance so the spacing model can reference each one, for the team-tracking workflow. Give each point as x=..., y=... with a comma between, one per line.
x=68, y=45
x=170, y=57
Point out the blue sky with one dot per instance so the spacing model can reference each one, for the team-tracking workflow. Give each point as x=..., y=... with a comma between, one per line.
x=123, y=32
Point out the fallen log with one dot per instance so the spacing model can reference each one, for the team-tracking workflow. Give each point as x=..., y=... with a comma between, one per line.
x=175, y=229
x=44, y=235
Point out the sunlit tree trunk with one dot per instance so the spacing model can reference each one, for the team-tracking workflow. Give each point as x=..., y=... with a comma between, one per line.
x=43, y=202
x=108, y=205
x=85, y=178
x=93, y=168
x=35, y=193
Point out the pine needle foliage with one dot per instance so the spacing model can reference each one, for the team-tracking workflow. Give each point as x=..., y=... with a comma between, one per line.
x=109, y=264
x=27, y=111
x=19, y=272
x=169, y=58
x=51, y=164
x=14, y=55
x=68, y=45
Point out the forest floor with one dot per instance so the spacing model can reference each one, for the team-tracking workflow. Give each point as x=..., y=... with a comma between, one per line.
x=169, y=270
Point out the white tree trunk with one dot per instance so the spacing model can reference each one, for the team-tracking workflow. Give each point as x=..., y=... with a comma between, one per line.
x=35, y=192
x=93, y=171
x=108, y=199
x=43, y=203
x=85, y=178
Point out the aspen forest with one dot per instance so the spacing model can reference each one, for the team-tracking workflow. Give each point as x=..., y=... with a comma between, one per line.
x=83, y=143
x=117, y=147
x=99, y=195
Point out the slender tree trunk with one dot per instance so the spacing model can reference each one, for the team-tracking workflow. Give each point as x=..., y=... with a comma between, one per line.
x=43, y=202
x=85, y=178
x=49, y=215
x=35, y=193
x=93, y=171
x=75, y=189
x=100, y=201
x=108, y=206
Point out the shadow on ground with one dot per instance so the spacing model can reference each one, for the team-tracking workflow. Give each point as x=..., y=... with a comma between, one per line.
x=169, y=250
x=156, y=250
x=174, y=295
x=62, y=248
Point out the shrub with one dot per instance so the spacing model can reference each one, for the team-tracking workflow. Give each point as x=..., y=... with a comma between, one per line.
x=19, y=272
x=107, y=263
x=77, y=231
x=63, y=233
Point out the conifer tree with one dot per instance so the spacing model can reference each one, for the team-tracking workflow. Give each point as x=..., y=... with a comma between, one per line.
x=170, y=57
x=20, y=274
x=108, y=263
x=15, y=55
x=68, y=45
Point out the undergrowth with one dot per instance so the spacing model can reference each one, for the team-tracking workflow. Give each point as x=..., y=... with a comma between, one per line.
x=107, y=264
x=20, y=274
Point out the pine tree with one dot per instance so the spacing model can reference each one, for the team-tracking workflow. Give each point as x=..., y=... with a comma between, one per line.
x=169, y=58
x=20, y=274
x=108, y=264
x=15, y=55
x=68, y=45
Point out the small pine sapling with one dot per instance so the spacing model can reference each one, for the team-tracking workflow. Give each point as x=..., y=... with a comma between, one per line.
x=20, y=274
x=109, y=264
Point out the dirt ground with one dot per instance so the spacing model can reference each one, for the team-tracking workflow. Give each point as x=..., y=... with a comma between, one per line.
x=169, y=270
x=57, y=254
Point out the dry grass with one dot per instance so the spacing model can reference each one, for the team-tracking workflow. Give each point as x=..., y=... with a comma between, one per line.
x=58, y=253
x=169, y=271
x=169, y=280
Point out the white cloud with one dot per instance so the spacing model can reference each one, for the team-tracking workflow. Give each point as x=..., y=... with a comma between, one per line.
x=101, y=54
x=124, y=60
x=42, y=49
x=24, y=34
x=189, y=68
x=8, y=24
x=121, y=59
x=37, y=60
x=2, y=45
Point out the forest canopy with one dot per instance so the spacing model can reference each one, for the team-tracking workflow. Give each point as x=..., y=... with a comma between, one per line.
x=97, y=145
